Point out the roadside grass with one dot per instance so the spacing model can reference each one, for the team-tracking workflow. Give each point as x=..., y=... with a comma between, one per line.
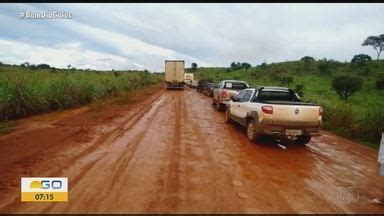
x=6, y=127
x=25, y=92
x=361, y=117
x=124, y=98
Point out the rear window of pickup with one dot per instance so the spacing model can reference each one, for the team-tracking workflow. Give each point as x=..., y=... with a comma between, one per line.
x=277, y=96
x=235, y=85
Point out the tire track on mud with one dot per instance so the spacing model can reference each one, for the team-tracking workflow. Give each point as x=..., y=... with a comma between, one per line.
x=170, y=187
x=252, y=170
x=84, y=170
x=108, y=183
x=214, y=174
x=106, y=139
x=121, y=168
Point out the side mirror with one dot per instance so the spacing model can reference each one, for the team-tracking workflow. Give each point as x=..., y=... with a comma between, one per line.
x=233, y=98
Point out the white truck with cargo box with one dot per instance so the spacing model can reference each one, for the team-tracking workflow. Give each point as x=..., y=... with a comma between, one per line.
x=174, y=74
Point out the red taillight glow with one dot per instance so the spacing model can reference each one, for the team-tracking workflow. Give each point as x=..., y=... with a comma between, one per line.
x=224, y=94
x=320, y=111
x=267, y=109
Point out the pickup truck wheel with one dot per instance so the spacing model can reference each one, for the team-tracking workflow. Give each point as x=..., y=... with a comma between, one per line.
x=304, y=139
x=251, y=131
x=227, y=116
x=218, y=106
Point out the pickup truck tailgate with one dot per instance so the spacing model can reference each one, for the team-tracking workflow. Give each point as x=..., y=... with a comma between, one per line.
x=296, y=115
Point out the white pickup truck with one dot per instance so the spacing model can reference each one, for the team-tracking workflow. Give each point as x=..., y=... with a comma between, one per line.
x=275, y=111
x=224, y=90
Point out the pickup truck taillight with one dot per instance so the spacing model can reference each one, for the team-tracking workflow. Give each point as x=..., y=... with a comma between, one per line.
x=320, y=111
x=267, y=109
x=224, y=94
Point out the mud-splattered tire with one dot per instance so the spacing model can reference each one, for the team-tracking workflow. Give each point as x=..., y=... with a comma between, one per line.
x=252, y=131
x=304, y=139
x=227, y=116
x=218, y=106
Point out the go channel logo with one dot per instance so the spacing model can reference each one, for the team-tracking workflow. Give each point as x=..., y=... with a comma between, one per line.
x=44, y=189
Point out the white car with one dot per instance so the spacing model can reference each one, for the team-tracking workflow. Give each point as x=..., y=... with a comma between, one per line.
x=275, y=111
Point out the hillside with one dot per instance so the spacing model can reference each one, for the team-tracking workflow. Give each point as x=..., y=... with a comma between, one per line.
x=360, y=117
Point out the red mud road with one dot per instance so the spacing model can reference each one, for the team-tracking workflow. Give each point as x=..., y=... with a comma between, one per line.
x=173, y=153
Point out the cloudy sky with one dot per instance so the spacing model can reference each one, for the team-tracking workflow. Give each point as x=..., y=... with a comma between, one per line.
x=142, y=36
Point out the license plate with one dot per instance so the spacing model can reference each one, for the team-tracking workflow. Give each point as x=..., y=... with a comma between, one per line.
x=293, y=132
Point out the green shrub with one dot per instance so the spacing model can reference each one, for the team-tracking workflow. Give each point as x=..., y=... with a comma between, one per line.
x=324, y=68
x=338, y=116
x=299, y=89
x=307, y=59
x=286, y=80
x=346, y=86
x=361, y=59
x=364, y=70
x=380, y=81
x=368, y=125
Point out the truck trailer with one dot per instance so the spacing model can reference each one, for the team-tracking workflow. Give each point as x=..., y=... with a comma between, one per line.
x=174, y=74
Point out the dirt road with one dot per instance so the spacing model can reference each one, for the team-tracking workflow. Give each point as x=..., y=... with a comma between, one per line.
x=173, y=153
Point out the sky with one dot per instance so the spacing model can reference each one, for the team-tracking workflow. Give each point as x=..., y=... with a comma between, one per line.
x=142, y=36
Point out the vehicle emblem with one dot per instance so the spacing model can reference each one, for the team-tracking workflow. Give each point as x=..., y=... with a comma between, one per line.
x=297, y=111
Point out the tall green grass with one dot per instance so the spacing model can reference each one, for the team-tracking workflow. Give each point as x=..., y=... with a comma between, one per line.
x=24, y=92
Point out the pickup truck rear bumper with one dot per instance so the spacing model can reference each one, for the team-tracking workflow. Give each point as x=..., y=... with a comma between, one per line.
x=224, y=102
x=176, y=85
x=267, y=127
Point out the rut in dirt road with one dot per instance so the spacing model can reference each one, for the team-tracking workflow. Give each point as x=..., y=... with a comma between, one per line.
x=173, y=153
